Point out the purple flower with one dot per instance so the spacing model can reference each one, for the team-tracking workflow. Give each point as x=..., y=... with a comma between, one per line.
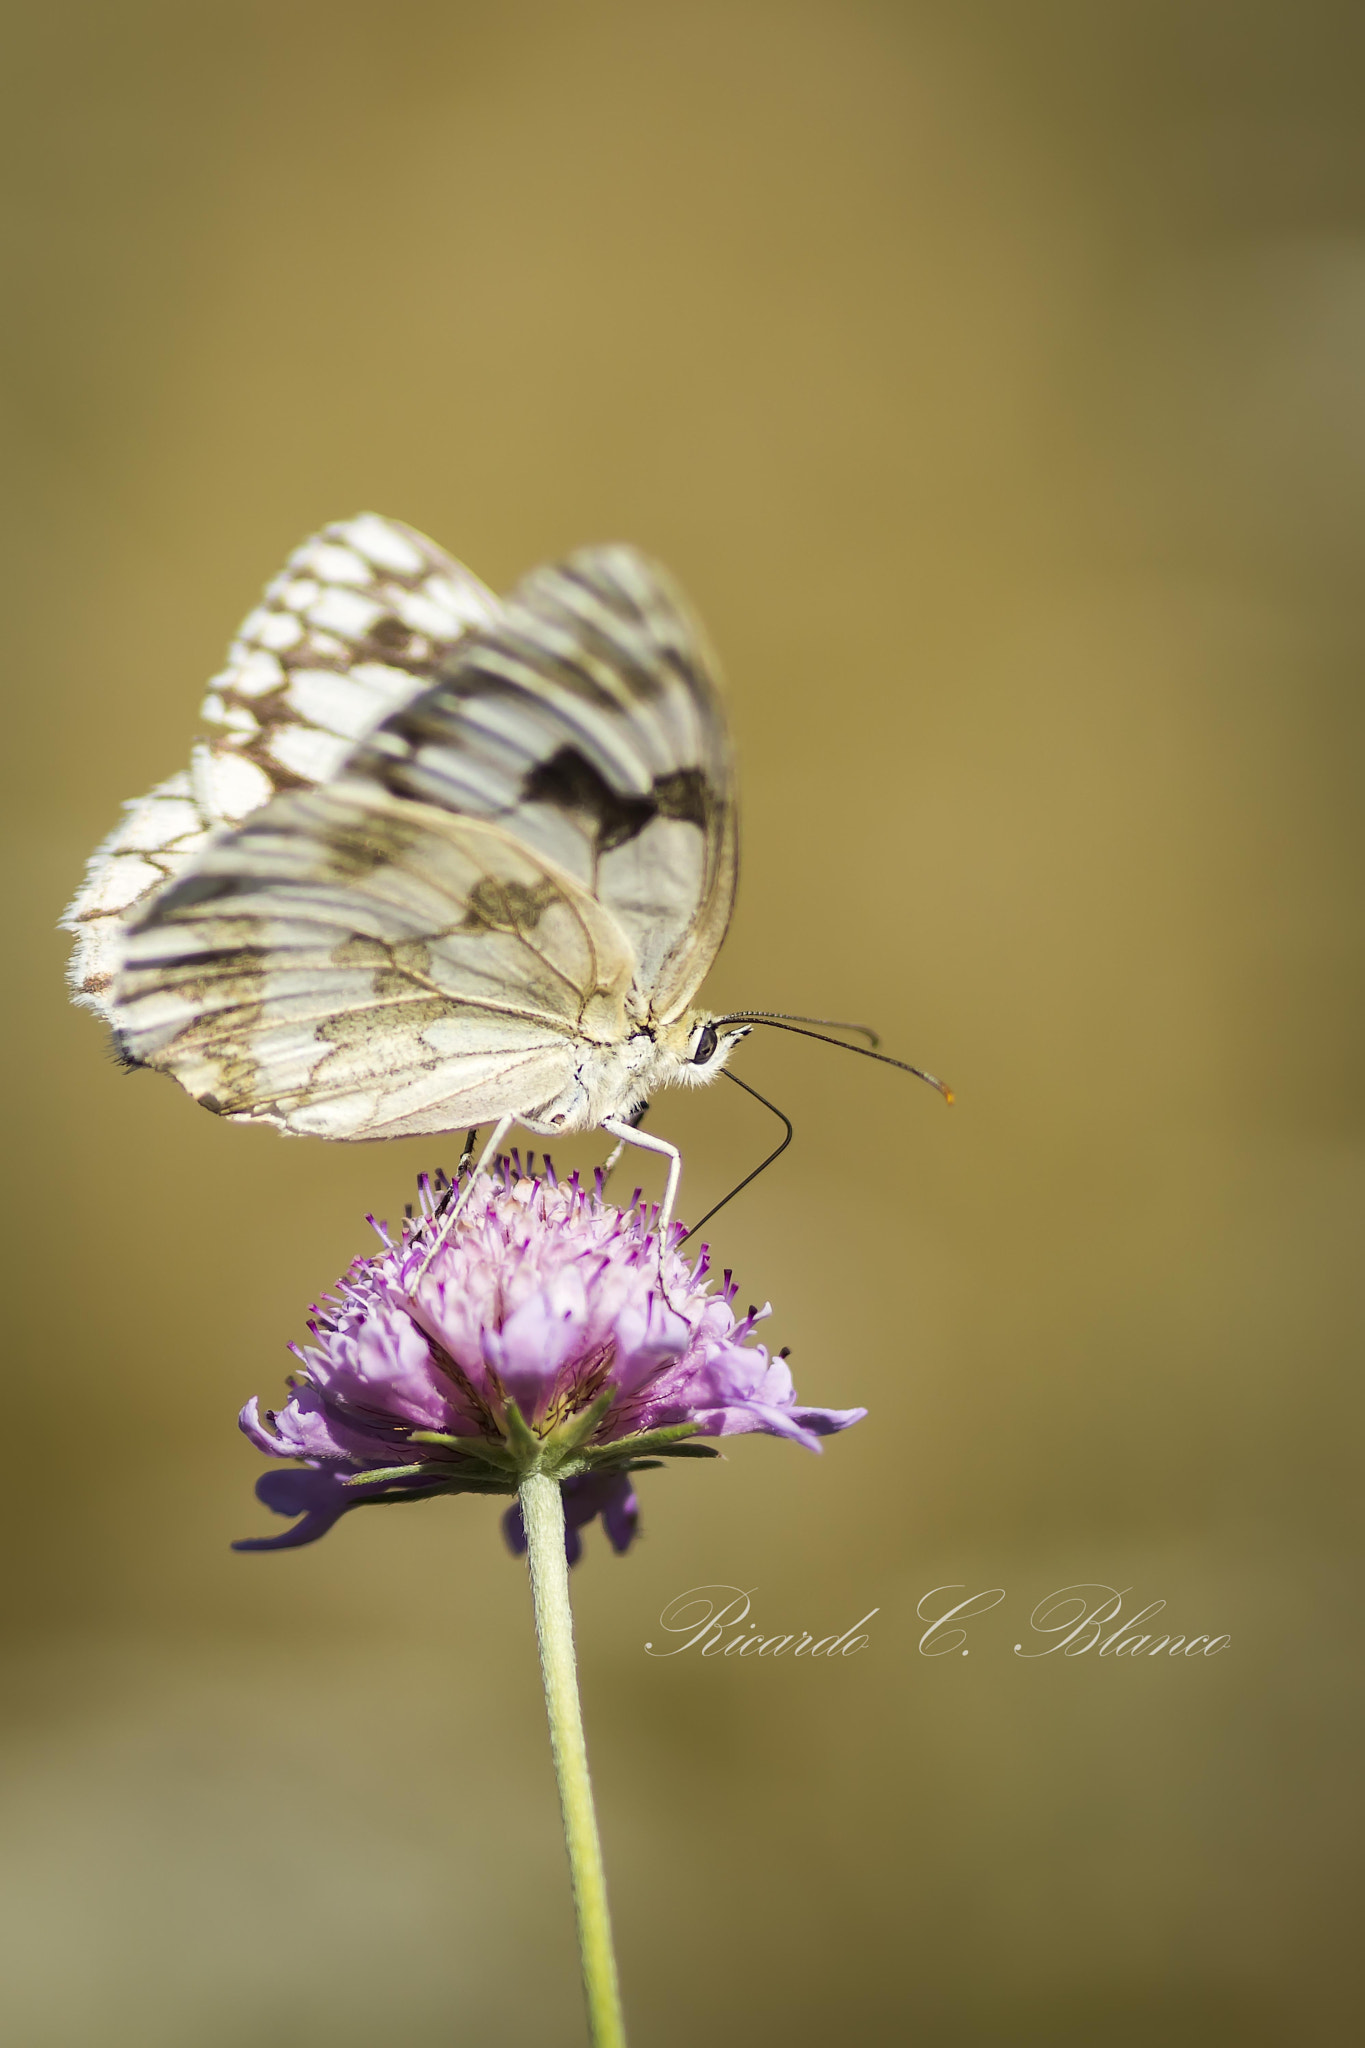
x=546, y=1335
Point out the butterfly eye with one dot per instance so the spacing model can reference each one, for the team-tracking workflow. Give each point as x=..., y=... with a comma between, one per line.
x=707, y=1041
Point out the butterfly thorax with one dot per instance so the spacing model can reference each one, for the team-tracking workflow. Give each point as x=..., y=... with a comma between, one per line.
x=615, y=1080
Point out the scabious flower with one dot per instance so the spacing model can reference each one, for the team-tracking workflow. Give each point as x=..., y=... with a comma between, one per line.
x=546, y=1335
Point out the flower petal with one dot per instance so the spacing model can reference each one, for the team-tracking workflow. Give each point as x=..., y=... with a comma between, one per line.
x=542, y=1295
x=320, y=1498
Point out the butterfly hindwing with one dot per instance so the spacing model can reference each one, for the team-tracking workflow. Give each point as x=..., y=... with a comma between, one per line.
x=352, y=965
x=364, y=616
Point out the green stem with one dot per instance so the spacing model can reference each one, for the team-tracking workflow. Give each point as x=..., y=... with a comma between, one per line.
x=542, y=1511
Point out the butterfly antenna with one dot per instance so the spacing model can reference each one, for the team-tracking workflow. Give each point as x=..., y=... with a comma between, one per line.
x=780, y=1024
x=782, y=1117
x=789, y=1017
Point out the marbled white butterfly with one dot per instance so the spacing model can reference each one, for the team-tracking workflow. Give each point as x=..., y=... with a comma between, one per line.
x=446, y=860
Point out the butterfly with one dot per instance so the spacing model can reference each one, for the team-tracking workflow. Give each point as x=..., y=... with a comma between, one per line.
x=443, y=860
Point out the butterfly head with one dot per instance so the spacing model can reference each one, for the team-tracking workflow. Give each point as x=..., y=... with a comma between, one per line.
x=701, y=1047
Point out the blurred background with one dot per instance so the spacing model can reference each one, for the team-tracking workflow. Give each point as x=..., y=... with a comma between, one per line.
x=991, y=376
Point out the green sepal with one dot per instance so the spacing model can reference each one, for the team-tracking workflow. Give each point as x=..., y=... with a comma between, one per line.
x=570, y=1435
x=385, y=1472
x=688, y=1451
x=525, y=1445
x=478, y=1482
x=480, y=1447
x=647, y=1440
x=573, y=1467
x=441, y=1479
x=388, y=1500
x=410, y=1493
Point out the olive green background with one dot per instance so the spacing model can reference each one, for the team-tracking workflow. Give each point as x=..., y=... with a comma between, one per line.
x=991, y=376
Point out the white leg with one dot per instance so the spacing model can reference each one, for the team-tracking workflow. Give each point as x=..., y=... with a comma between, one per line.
x=448, y=1221
x=628, y=1135
x=613, y=1159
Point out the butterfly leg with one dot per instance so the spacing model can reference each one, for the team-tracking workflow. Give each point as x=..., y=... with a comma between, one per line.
x=448, y=1222
x=628, y=1135
x=613, y=1159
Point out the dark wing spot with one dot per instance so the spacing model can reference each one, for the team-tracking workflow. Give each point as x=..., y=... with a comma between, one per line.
x=390, y=634
x=684, y=794
x=352, y=850
x=571, y=782
x=350, y=1030
x=184, y=895
x=359, y=951
x=494, y=906
x=408, y=968
x=412, y=956
x=205, y=963
x=238, y=1075
x=357, y=850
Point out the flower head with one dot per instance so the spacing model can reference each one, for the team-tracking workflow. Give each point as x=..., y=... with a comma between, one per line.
x=547, y=1334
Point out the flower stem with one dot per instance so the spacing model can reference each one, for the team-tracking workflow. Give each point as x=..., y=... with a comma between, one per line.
x=542, y=1512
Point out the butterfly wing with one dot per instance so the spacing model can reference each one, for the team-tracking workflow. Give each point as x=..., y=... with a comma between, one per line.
x=586, y=720
x=526, y=859
x=348, y=964
x=363, y=617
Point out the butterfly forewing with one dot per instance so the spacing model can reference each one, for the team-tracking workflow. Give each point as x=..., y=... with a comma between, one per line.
x=364, y=616
x=586, y=719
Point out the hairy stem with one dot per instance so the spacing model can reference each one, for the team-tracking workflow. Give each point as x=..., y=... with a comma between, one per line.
x=542, y=1511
